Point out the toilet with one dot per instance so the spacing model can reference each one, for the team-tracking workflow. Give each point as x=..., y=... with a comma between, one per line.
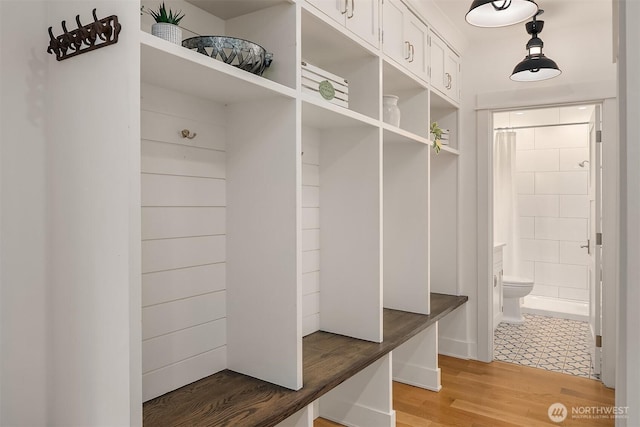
x=514, y=288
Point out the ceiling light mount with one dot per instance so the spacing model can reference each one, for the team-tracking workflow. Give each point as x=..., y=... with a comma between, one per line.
x=500, y=13
x=535, y=66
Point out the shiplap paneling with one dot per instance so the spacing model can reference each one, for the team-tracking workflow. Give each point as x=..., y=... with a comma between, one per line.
x=167, y=128
x=310, y=240
x=183, y=240
x=180, y=345
x=174, y=376
x=311, y=303
x=310, y=196
x=181, y=314
x=311, y=283
x=171, y=285
x=168, y=222
x=156, y=99
x=174, y=159
x=310, y=324
x=310, y=261
x=166, y=190
x=169, y=254
x=310, y=175
x=310, y=230
x=310, y=218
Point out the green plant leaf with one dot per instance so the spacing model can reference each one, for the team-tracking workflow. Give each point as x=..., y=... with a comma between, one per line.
x=162, y=15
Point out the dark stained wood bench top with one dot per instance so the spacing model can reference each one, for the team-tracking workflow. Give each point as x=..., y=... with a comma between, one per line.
x=228, y=398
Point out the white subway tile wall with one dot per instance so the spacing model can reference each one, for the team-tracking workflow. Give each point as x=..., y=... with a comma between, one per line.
x=537, y=160
x=525, y=182
x=553, y=205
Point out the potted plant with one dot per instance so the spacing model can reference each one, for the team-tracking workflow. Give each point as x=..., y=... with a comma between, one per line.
x=166, y=26
x=436, y=131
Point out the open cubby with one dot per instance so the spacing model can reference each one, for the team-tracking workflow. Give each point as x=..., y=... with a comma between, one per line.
x=242, y=20
x=330, y=49
x=446, y=114
x=413, y=99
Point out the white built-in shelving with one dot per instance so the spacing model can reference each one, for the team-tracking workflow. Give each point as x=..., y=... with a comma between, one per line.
x=330, y=214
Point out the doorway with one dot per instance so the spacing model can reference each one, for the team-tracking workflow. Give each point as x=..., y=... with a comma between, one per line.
x=546, y=298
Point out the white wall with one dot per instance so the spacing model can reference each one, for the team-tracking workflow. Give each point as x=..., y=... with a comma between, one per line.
x=70, y=226
x=25, y=289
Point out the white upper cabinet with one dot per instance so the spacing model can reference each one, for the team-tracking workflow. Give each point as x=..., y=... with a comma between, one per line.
x=445, y=68
x=404, y=38
x=393, y=42
x=359, y=16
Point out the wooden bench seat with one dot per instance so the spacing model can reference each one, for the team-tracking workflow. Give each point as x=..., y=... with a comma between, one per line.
x=228, y=398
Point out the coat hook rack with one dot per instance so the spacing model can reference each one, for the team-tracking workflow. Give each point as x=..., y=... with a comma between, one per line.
x=186, y=133
x=100, y=33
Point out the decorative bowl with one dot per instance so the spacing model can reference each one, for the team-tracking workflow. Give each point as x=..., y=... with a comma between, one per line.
x=240, y=53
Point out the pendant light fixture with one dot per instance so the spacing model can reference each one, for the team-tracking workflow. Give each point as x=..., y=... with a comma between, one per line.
x=500, y=13
x=535, y=66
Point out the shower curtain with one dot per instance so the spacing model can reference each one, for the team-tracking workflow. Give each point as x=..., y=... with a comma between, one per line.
x=505, y=201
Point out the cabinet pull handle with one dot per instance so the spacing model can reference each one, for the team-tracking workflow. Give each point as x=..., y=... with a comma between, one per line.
x=412, y=52
x=346, y=6
x=353, y=7
x=495, y=281
x=448, y=85
x=408, y=50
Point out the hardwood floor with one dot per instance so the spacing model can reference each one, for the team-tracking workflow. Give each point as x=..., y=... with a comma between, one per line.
x=477, y=394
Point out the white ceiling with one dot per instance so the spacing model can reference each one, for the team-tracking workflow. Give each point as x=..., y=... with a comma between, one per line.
x=565, y=13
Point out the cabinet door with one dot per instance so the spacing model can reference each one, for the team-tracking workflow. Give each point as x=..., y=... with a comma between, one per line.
x=444, y=68
x=416, y=35
x=437, y=55
x=451, y=68
x=335, y=9
x=393, y=41
x=362, y=19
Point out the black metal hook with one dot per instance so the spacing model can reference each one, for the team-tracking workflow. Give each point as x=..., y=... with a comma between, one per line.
x=105, y=29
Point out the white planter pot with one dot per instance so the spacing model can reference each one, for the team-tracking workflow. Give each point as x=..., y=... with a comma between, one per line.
x=169, y=32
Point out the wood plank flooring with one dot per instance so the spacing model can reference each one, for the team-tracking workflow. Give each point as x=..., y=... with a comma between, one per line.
x=497, y=394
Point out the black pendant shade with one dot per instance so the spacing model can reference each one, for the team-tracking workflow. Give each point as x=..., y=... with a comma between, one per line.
x=500, y=13
x=535, y=66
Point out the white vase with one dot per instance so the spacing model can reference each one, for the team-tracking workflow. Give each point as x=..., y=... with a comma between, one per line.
x=170, y=32
x=390, y=110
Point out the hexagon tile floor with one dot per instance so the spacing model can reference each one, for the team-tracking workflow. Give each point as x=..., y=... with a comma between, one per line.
x=550, y=343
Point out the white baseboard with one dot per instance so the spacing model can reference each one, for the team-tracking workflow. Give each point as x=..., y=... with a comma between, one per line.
x=418, y=376
x=354, y=415
x=454, y=348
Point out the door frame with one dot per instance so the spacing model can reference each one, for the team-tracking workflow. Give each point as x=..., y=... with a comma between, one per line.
x=610, y=160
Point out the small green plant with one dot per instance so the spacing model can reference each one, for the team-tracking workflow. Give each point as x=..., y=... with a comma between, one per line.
x=436, y=131
x=161, y=15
